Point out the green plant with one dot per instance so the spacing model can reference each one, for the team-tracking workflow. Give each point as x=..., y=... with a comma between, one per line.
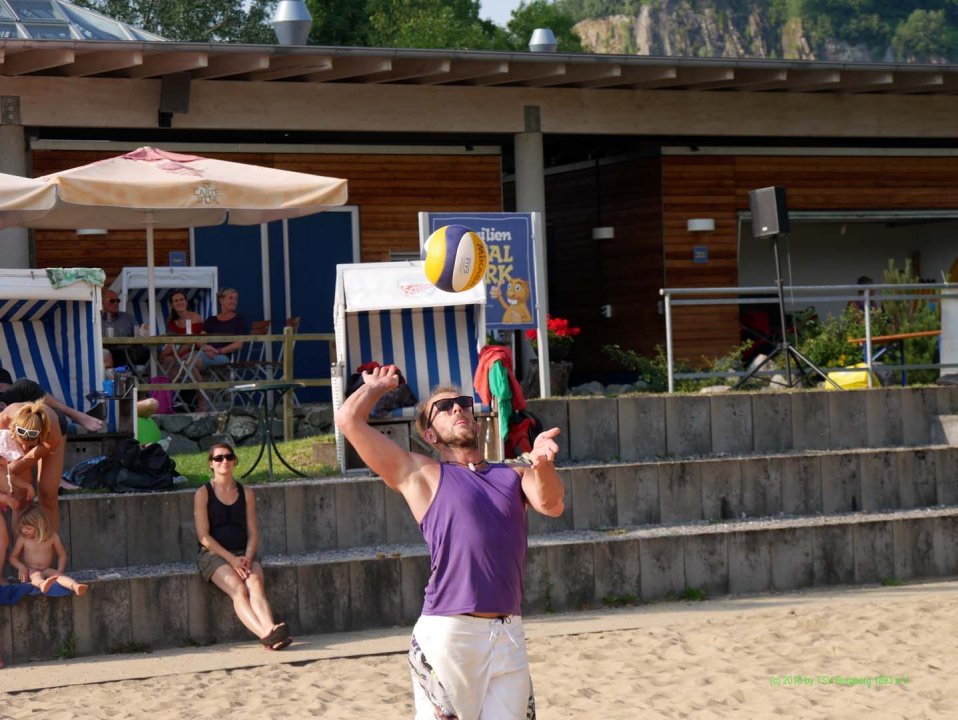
x=653, y=371
x=561, y=335
x=68, y=648
x=691, y=593
x=891, y=582
x=620, y=600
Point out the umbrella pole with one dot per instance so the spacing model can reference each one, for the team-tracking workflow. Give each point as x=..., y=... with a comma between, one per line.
x=151, y=287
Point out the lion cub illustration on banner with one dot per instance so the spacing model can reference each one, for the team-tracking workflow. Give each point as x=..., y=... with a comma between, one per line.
x=516, y=302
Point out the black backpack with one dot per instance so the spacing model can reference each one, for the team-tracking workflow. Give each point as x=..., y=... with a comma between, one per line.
x=136, y=469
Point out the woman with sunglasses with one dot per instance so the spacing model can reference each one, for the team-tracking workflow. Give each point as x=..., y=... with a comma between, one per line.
x=30, y=436
x=467, y=656
x=31, y=426
x=225, y=516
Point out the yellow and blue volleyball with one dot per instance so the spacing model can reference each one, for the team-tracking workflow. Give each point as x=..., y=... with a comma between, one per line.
x=455, y=258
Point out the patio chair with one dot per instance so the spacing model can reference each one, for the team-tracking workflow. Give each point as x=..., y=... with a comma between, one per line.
x=388, y=313
x=245, y=365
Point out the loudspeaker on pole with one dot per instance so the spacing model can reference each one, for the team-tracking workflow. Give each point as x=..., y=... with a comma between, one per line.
x=769, y=212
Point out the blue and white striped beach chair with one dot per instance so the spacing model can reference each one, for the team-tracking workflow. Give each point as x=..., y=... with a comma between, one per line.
x=50, y=334
x=199, y=283
x=389, y=313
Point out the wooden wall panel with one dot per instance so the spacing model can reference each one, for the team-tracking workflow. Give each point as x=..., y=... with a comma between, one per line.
x=389, y=190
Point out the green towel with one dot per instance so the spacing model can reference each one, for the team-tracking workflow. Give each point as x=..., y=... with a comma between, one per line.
x=500, y=389
x=61, y=277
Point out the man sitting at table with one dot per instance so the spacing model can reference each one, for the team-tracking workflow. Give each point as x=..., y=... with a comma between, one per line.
x=117, y=323
x=226, y=322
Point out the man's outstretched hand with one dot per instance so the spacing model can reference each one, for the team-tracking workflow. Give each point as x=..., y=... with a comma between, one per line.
x=544, y=448
x=385, y=377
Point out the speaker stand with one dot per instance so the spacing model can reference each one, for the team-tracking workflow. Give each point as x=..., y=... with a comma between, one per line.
x=789, y=352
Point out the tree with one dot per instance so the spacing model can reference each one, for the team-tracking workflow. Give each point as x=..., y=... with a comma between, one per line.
x=339, y=22
x=923, y=35
x=190, y=21
x=452, y=24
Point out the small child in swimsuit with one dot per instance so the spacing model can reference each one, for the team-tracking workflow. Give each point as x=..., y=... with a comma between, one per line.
x=30, y=428
x=38, y=543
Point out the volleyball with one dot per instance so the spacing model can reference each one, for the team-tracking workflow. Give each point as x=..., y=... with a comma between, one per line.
x=455, y=258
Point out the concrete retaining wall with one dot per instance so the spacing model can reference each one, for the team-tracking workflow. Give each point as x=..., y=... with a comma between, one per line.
x=170, y=606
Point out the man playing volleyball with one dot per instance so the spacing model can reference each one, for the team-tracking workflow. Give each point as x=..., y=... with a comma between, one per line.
x=468, y=653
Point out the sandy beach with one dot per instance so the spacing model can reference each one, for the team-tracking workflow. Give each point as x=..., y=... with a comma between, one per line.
x=879, y=653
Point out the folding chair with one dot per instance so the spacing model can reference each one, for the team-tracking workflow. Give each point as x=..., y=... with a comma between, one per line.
x=246, y=364
x=387, y=312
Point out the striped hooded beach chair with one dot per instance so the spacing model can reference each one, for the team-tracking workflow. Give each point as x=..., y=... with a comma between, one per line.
x=199, y=283
x=390, y=314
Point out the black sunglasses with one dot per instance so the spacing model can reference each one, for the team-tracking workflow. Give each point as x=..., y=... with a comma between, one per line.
x=221, y=458
x=446, y=405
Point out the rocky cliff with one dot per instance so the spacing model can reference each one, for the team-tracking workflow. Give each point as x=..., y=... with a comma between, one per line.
x=701, y=28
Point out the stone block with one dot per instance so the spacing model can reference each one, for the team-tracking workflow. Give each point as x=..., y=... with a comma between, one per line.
x=6, y=633
x=883, y=417
x=792, y=558
x=688, y=425
x=841, y=482
x=879, y=481
x=415, y=573
x=722, y=489
x=153, y=528
x=749, y=562
x=917, y=478
x=914, y=549
x=537, y=583
x=158, y=618
x=946, y=475
x=360, y=513
x=572, y=572
x=199, y=622
x=641, y=427
x=271, y=518
x=554, y=413
x=63, y=507
x=92, y=519
x=593, y=429
x=772, y=422
x=833, y=555
x=40, y=627
x=706, y=563
x=617, y=576
x=541, y=525
x=662, y=567
x=847, y=419
x=593, y=497
x=762, y=487
x=945, y=530
x=731, y=421
x=919, y=406
x=310, y=517
x=401, y=526
x=947, y=397
x=874, y=551
x=680, y=492
x=373, y=588
x=103, y=618
x=810, y=421
x=801, y=484
x=323, y=597
x=282, y=592
x=186, y=534
x=637, y=494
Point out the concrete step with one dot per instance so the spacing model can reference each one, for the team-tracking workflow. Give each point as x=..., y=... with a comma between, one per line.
x=152, y=606
x=115, y=530
x=944, y=430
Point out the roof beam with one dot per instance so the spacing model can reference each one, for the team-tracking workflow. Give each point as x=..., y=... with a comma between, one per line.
x=220, y=66
x=96, y=63
x=466, y=70
x=168, y=63
x=745, y=79
x=918, y=82
x=346, y=68
x=522, y=73
x=801, y=81
x=865, y=81
x=31, y=61
x=575, y=74
x=411, y=70
x=632, y=77
x=287, y=66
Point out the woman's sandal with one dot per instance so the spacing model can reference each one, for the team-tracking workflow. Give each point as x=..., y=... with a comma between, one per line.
x=277, y=636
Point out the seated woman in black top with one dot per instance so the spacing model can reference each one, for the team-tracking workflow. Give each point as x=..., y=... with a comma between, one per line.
x=225, y=516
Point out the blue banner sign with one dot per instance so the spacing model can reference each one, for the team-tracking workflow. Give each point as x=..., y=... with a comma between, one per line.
x=510, y=277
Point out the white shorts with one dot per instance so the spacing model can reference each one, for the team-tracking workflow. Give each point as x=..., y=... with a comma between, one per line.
x=469, y=668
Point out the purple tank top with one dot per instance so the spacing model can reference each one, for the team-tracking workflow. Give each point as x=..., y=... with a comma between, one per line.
x=476, y=530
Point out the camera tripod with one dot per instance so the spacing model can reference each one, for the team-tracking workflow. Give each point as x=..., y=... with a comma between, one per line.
x=800, y=377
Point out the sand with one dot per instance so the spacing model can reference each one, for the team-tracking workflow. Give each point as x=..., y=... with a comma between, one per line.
x=870, y=653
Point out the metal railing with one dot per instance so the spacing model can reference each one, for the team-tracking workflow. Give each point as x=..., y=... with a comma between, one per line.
x=288, y=339
x=678, y=297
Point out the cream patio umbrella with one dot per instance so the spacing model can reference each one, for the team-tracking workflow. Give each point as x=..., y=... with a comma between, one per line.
x=152, y=188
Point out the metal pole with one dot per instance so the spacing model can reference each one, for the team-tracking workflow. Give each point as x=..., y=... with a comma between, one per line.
x=668, y=341
x=783, y=344
x=868, y=335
